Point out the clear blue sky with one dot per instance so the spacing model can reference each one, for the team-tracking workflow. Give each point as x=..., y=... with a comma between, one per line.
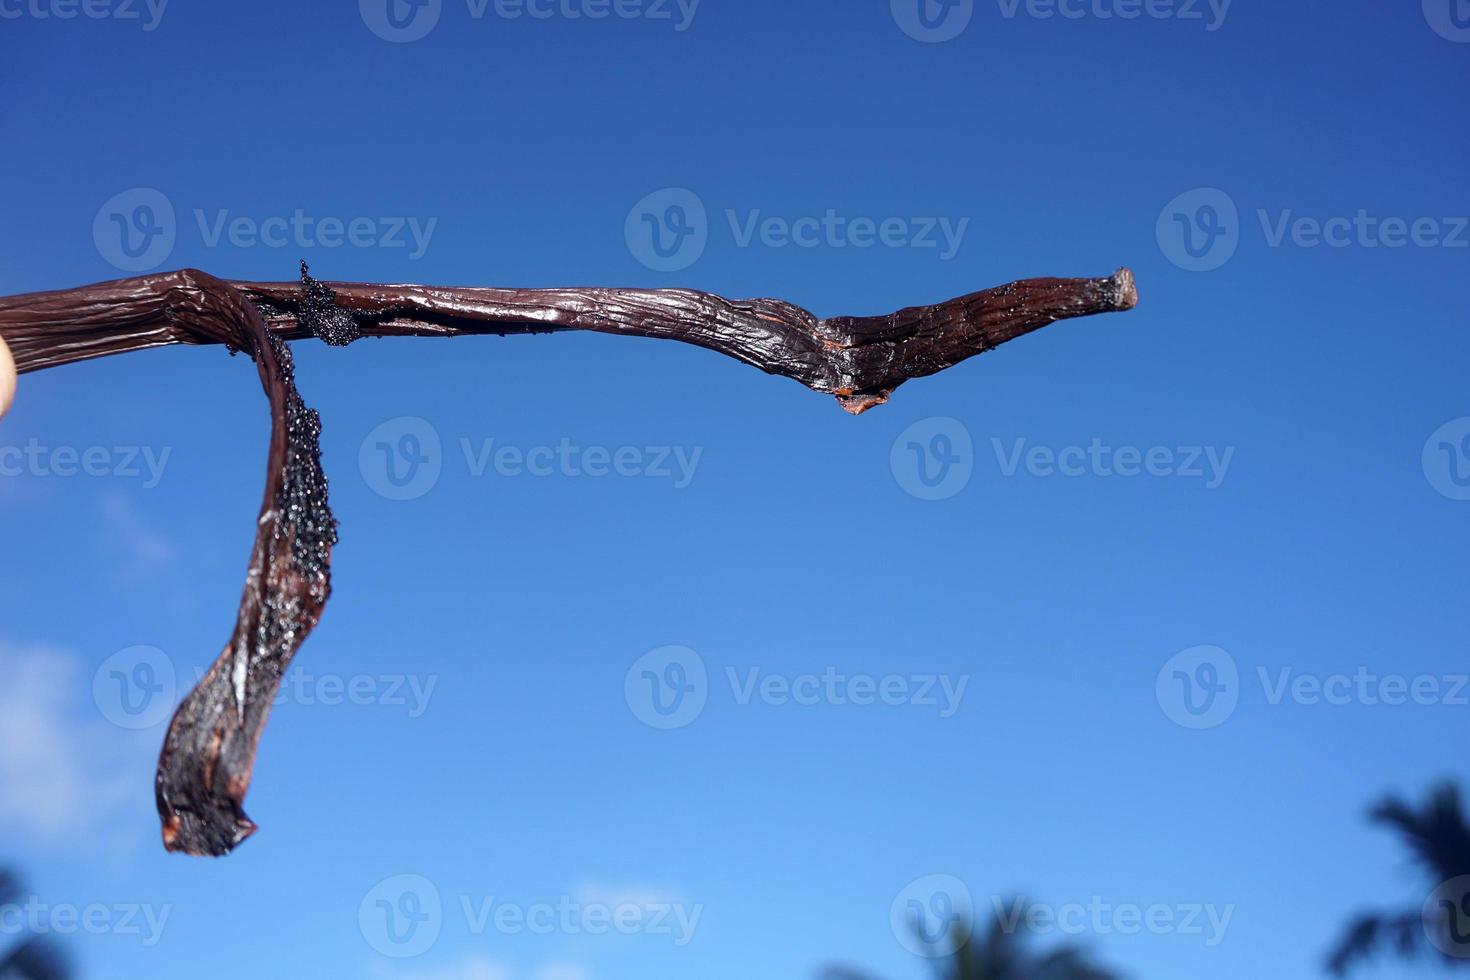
x=1319, y=538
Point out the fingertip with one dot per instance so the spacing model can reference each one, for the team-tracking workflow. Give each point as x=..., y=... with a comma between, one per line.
x=7, y=378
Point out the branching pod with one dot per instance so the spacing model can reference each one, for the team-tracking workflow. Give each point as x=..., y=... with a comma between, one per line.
x=208, y=755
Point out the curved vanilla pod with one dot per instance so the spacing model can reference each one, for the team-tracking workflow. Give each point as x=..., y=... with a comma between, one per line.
x=208, y=756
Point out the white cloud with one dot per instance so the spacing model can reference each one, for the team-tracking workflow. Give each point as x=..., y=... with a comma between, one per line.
x=478, y=967
x=613, y=896
x=561, y=971
x=470, y=968
x=65, y=773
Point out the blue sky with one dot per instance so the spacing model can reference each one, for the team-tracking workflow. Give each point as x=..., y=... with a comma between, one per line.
x=1267, y=460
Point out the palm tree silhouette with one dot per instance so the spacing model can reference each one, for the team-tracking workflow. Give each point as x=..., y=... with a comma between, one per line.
x=1000, y=954
x=34, y=958
x=1438, y=836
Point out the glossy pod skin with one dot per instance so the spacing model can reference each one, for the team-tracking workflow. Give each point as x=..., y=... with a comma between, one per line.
x=208, y=756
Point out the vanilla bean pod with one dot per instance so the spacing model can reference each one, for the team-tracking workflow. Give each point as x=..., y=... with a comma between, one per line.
x=208, y=754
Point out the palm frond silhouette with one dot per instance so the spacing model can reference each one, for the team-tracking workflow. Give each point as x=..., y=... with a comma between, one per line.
x=1438, y=836
x=33, y=958
x=998, y=954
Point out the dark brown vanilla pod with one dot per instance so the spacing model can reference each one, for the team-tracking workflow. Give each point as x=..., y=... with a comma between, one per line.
x=860, y=360
x=208, y=755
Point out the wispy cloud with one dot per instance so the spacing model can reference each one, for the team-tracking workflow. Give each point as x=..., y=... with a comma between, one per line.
x=144, y=551
x=479, y=967
x=470, y=968
x=65, y=773
x=561, y=971
x=613, y=896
